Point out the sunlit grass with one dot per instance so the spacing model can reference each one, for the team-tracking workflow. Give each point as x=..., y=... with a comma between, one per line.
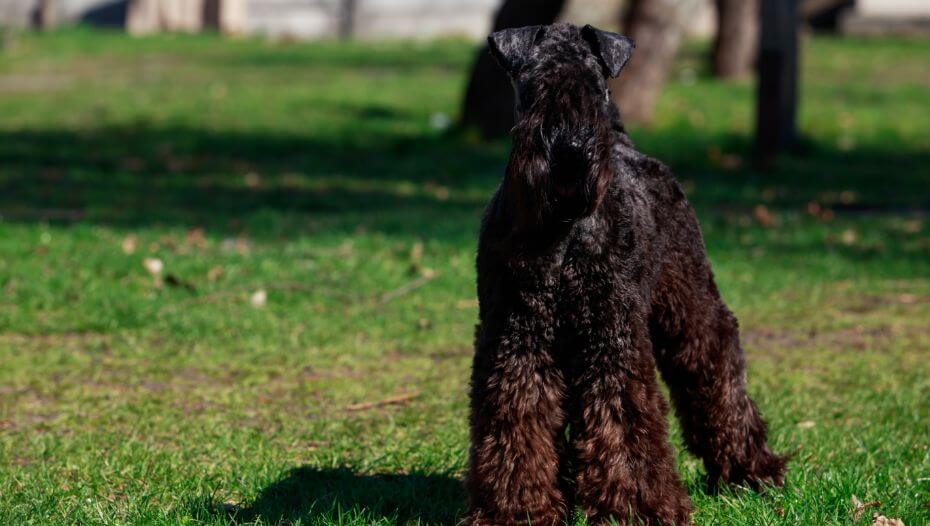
x=315, y=173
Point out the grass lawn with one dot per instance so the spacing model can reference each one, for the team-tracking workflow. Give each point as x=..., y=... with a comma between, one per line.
x=317, y=174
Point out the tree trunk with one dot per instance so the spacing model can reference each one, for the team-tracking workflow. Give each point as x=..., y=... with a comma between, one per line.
x=656, y=27
x=737, y=42
x=489, y=99
x=777, y=97
x=46, y=15
x=347, y=11
x=152, y=16
x=228, y=17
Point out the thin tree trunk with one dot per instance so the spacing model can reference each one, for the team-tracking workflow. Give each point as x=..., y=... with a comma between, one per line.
x=347, y=19
x=656, y=26
x=777, y=98
x=489, y=102
x=737, y=42
x=46, y=15
x=152, y=16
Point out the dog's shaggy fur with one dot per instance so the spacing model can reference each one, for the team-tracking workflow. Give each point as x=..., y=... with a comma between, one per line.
x=592, y=273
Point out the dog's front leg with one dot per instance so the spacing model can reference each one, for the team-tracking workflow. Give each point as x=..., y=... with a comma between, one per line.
x=516, y=417
x=625, y=464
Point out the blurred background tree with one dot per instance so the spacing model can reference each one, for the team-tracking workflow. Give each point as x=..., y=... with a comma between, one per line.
x=489, y=102
x=737, y=39
x=656, y=26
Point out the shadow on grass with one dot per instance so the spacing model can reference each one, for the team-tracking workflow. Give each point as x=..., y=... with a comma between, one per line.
x=140, y=175
x=340, y=495
x=280, y=185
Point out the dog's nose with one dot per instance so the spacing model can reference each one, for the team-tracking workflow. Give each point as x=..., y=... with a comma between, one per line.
x=570, y=152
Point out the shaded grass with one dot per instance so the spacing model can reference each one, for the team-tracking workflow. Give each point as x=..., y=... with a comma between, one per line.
x=312, y=171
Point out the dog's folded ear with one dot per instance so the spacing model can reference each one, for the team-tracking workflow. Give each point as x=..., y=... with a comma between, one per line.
x=612, y=49
x=511, y=47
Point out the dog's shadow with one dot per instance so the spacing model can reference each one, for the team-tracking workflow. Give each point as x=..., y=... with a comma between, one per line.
x=313, y=496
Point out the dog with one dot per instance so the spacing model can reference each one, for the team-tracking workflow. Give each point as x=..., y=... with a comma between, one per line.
x=592, y=274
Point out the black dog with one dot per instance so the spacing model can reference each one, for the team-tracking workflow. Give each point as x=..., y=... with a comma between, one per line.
x=591, y=273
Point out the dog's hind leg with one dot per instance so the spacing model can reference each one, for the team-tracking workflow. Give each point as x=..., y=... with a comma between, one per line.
x=696, y=344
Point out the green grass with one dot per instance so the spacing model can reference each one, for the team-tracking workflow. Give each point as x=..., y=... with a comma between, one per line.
x=313, y=172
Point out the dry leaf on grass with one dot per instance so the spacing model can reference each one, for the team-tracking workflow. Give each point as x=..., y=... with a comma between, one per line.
x=881, y=520
x=764, y=216
x=859, y=507
x=154, y=266
x=849, y=237
x=416, y=252
x=467, y=304
x=392, y=400
x=214, y=274
x=129, y=244
x=259, y=299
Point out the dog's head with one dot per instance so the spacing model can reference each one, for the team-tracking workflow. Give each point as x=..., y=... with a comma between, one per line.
x=559, y=167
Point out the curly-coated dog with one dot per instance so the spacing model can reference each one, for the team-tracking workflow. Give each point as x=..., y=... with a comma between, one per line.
x=592, y=273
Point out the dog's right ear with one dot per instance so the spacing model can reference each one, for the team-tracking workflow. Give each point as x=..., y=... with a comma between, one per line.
x=612, y=49
x=511, y=47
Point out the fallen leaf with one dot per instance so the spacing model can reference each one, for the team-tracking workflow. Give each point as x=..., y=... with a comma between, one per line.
x=849, y=237
x=259, y=299
x=237, y=244
x=908, y=299
x=859, y=507
x=252, y=180
x=913, y=226
x=154, y=266
x=197, y=238
x=416, y=252
x=762, y=214
x=392, y=400
x=881, y=520
x=129, y=244
x=847, y=197
x=214, y=274
x=467, y=304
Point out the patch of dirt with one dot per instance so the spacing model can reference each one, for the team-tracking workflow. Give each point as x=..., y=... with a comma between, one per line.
x=453, y=353
x=861, y=338
x=766, y=338
x=35, y=83
x=863, y=303
x=55, y=338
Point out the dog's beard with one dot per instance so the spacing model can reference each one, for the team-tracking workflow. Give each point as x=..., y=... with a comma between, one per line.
x=548, y=186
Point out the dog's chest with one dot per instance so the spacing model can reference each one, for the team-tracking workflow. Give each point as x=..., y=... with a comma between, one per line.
x=587, y=257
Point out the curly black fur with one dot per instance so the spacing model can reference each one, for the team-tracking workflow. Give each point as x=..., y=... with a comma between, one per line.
x=591, y=274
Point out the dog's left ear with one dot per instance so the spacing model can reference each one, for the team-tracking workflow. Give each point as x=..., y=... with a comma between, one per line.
x=511, y=47
x=612, y=49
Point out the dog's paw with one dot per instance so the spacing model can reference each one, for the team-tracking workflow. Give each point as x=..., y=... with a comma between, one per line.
x=763, y=469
